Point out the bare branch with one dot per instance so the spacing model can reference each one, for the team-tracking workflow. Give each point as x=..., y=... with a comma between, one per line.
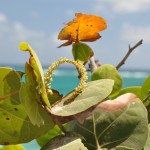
x=93, y=64
x=147, y=98
x=122, y=62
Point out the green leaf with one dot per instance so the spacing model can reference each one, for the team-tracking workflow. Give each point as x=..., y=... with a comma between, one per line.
x=136, y=90
x=49, y=135
x=12, y=147
x=108, y=71
x=115, y=127
x=56, y=96
x=15, y=125
x=82, y=52
x=65, y=142
x=123, y=148
x=145, y=90
x=38, y=71
x=9, y=85
x=93, y=93
x=148, y=109
x=3, y=72
x=30, y=76
x=147, y=145
x=29, y=98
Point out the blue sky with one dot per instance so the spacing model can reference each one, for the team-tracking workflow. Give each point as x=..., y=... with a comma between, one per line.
x=38, y=22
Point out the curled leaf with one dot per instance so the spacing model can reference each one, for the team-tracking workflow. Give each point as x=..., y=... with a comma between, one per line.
x=84, y=27
x=37, y=70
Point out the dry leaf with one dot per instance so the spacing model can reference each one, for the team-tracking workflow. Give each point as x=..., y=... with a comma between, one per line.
x=83, y=28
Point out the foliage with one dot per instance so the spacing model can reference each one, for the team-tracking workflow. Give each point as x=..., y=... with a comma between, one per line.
x=92, y=94
x=44, y=139
x=65, y=142
x=37, y=71
x=12, y=147
x=16, y=126
x=97, y=115
x=108, y=71
x=115, y=127
x=82, y=52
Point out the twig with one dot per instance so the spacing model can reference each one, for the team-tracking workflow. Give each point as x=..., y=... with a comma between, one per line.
x=93, y=64
x=122, y=62
x=147, y=98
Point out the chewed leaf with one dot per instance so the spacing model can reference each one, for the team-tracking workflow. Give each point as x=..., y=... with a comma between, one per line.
x=93, y=93
x=84, y=27
x=15, y=126
x=38, y=71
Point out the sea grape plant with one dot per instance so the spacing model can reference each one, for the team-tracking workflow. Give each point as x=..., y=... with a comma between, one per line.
x=95, y=115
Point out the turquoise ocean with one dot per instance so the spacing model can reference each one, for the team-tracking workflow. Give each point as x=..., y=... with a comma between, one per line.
x=66, y=79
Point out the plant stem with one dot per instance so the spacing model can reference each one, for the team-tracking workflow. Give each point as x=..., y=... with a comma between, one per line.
x=147, y=98
x=122, y=62
x=94, y=130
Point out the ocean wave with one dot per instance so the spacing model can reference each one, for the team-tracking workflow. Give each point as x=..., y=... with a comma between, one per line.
x=64, y=72
x=135, y=74
x=124, y=74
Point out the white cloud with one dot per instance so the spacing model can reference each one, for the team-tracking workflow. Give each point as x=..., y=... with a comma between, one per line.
x=135, y=33
x=12, y=33
x=3, y=18
x=24, y=33
x=123, y=6
x=45, y=45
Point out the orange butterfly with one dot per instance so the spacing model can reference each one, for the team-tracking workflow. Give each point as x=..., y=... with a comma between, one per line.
x=83, y=28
